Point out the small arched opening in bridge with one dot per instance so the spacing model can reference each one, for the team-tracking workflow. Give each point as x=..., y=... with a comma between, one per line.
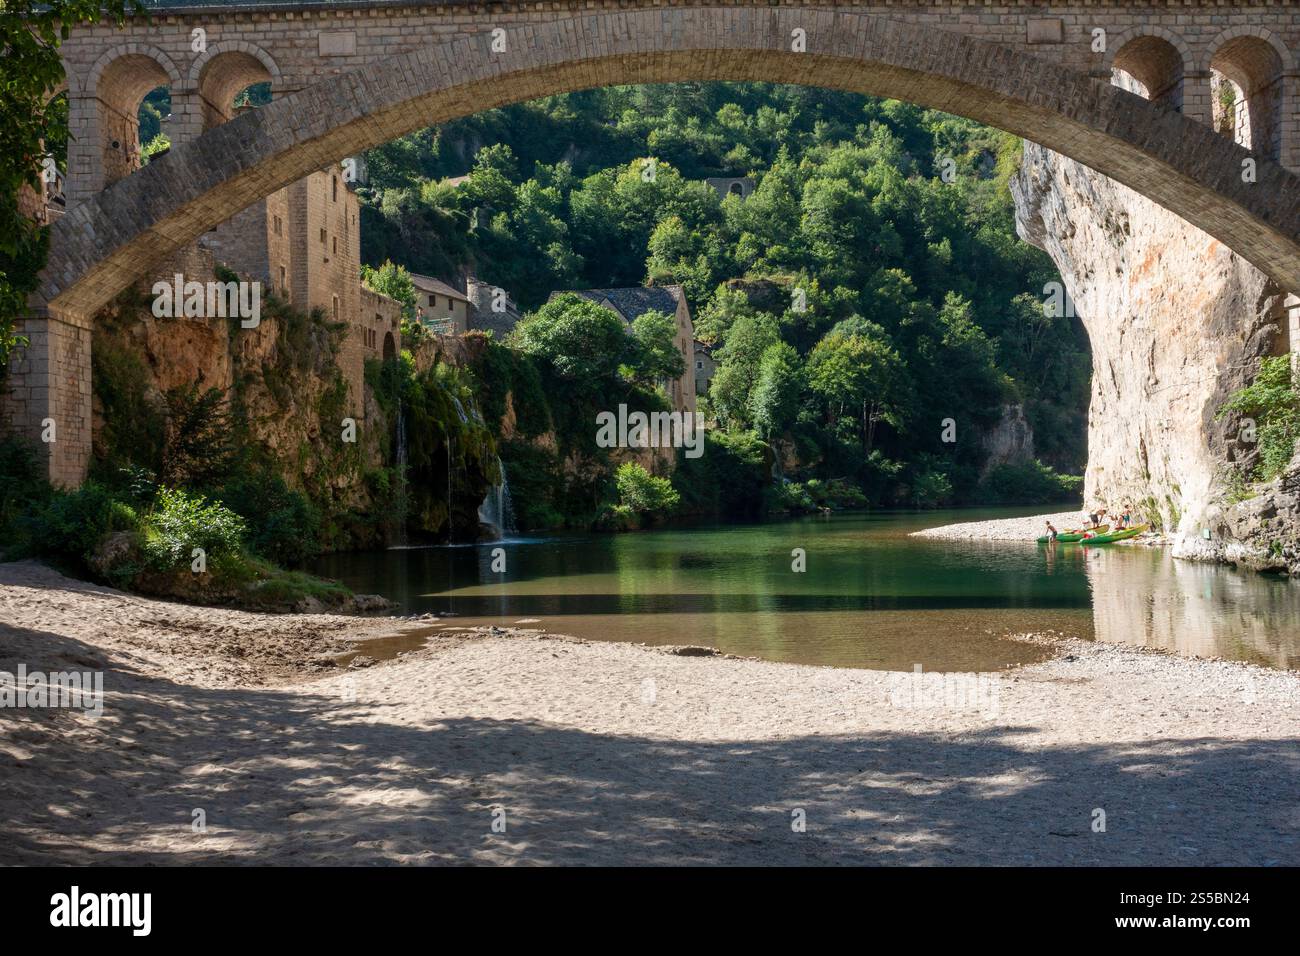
x=1246, y=92
x=123, y=82
x=232, y=78
x=1151, y=66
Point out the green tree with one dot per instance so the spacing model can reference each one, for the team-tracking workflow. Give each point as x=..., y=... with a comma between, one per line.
x=1274, y=400
x=739, y=360
x=656, y=335
x=774, y=400
x=581, y=341
x=859, y=375
x=393, y=281
x=642, y=492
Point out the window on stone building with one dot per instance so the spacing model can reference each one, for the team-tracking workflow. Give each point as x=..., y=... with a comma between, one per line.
x=336, y=307
x=322, y=237
x=336, y=245
x=284, y=283
x=334, y=188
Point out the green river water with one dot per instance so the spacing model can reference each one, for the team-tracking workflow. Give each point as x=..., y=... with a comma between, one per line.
x=870, y=595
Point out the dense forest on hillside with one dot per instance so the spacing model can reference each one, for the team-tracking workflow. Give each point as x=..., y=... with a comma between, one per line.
x=870, y=288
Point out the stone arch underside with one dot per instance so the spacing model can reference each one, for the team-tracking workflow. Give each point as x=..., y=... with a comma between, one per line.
x=1255, y=68
x=120, y=86
x=116, y=237
x=1155, y=68
x=225, y=76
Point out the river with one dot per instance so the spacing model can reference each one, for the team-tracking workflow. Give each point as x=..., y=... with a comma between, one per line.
x=868, y=596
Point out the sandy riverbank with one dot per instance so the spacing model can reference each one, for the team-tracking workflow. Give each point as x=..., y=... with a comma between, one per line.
x=611, y=753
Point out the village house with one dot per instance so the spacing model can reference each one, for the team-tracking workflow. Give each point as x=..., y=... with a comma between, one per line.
x=439, y=306
x=490, y=308
x=705, y=367
x=632, y=302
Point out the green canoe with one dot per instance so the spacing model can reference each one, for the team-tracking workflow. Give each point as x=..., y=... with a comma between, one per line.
x=1116, y=535
x=1069, y=537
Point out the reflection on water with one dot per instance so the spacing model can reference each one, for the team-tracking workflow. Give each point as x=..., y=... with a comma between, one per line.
x=1199, y=610
x=870, y=595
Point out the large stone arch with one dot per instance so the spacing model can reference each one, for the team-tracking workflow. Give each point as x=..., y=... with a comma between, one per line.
x=1232, y=33
x=117, y=237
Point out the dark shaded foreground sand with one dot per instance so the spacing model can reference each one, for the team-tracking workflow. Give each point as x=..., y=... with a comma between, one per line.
x=610, y=753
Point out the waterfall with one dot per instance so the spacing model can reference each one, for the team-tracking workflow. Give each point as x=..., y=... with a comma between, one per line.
x=400, y=492
x=497, y=511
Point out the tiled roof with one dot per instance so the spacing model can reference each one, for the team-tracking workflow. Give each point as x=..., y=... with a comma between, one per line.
x=437, y=287
x=636, y=300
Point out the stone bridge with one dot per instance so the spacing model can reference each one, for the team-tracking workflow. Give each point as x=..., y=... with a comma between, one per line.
x=1190, y=103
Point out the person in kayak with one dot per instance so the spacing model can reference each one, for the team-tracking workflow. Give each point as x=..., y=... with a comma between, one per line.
x=1094, y=518
x=1051, y=532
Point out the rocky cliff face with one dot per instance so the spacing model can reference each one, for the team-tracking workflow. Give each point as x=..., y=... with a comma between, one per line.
x=1177, y=322
x=286, y=396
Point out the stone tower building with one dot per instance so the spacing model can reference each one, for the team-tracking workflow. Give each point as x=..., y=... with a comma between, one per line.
x=304, y=242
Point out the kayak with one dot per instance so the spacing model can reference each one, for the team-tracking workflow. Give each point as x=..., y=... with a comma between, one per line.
x=1068, y=537
x=1116, y=535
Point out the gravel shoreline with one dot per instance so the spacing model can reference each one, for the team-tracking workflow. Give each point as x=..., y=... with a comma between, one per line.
x=618, y=754
x=1027, y=528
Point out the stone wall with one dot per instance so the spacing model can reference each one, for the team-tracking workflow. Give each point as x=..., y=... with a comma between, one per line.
x=46, y=394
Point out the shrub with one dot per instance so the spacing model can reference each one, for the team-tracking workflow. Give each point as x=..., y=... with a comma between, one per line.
x=197, y=444
x=793, y=497
x=1030, y=483
x=643, y=493
x=931, y=488
x=1273, y=400
x=181, y=522
x=23, y=490
x=72, y=525
x=729, y=479
x=835, y=493
x=284, y=526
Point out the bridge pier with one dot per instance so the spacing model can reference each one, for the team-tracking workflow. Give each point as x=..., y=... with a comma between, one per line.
x=45, y=396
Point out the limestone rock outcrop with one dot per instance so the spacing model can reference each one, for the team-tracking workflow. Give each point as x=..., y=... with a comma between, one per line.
x=1177, y=322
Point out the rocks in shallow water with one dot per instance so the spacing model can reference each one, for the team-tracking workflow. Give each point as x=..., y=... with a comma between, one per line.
x=360, y=661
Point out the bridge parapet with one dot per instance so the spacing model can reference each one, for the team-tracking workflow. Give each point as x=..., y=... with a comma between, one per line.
x=1171, y=48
